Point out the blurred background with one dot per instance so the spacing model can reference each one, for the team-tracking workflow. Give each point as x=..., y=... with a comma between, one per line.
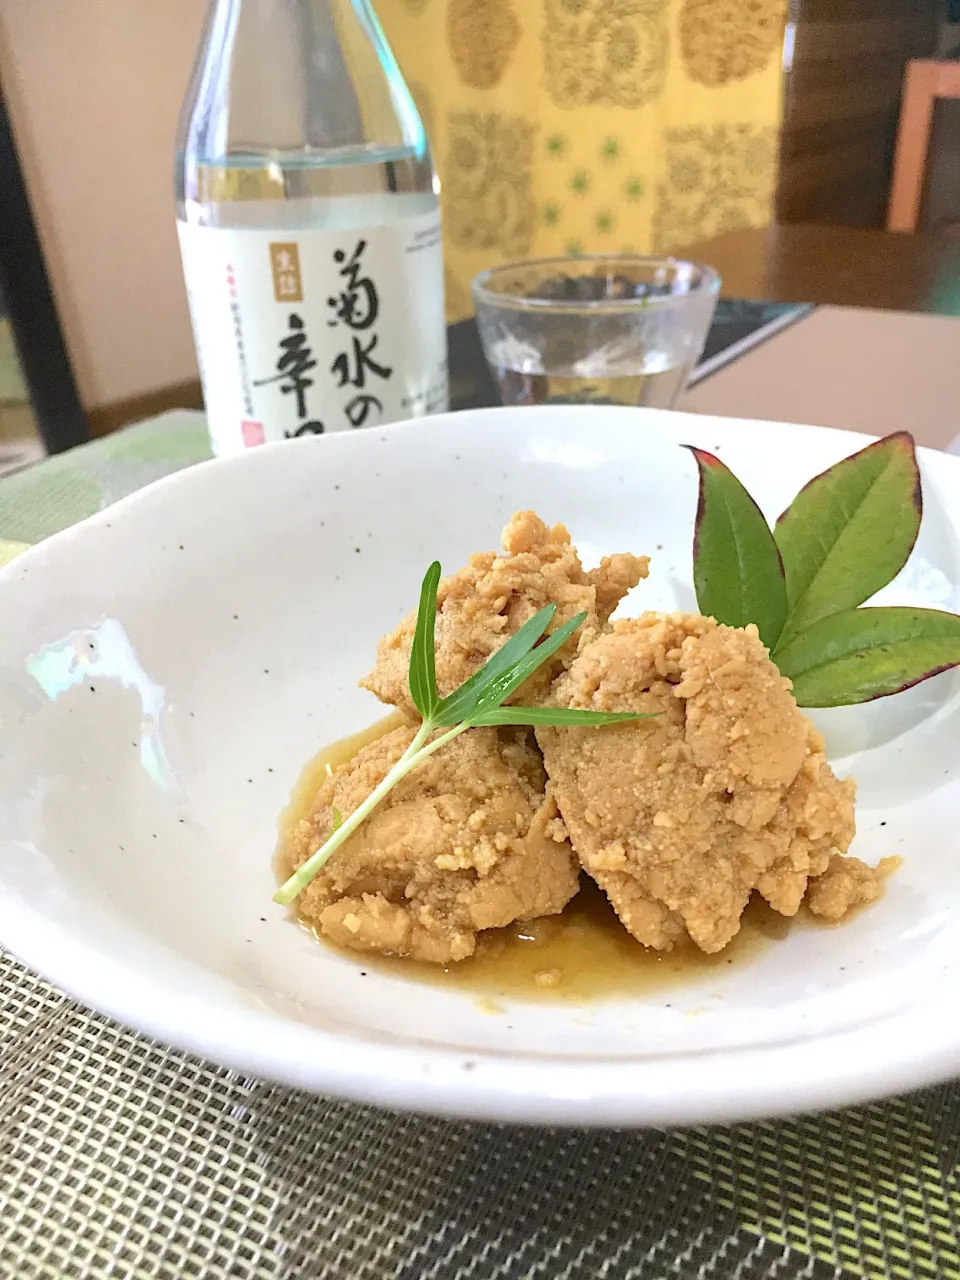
x=557, y=126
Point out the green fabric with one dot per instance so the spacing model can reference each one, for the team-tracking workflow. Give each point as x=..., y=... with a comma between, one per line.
x=52, y=495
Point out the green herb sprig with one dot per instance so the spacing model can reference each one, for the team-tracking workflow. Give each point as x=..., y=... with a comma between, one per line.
x=478, y=702
x=846, y=535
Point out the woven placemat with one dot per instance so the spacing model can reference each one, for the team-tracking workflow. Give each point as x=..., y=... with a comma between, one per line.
x=121, y=1158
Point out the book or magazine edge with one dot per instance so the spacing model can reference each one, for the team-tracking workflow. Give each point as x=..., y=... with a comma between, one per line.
x=742, y=345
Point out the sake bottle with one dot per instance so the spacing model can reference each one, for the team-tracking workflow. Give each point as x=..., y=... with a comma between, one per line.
x=309, y=225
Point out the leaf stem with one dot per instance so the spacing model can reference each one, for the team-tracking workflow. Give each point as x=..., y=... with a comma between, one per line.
x=415, y=753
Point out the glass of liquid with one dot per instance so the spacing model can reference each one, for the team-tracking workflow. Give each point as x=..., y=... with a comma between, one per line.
x=620, y=329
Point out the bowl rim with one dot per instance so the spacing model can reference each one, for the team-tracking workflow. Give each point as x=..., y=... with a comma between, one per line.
x=895, y=1052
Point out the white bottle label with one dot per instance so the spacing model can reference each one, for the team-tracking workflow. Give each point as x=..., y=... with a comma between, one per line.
x=303, y=332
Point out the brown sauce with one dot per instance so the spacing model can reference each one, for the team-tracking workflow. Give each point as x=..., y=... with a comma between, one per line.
x=581, y=956
x=324, y=762
x=584, y=955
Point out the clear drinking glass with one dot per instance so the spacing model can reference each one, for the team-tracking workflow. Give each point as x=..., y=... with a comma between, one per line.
x=618, y=329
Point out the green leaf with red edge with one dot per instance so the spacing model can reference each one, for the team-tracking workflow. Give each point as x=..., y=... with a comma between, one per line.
x=849, y=531
x=862, y=654
x=736, y=565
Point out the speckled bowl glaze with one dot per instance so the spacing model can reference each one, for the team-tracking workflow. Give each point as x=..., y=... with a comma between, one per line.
x=167, y=667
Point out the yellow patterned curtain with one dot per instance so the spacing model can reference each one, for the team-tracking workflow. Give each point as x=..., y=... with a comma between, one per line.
x=565, y=126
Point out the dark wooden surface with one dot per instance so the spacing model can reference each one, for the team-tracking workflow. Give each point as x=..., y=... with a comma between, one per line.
x=844, y=266
x=842, y=105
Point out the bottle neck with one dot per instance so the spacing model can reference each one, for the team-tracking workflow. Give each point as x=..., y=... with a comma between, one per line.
x=287, y=76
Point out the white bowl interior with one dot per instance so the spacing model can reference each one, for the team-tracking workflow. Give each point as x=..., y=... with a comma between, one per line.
x=168, y=668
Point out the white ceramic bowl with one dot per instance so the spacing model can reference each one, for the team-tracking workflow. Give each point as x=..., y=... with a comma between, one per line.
x=167, y=667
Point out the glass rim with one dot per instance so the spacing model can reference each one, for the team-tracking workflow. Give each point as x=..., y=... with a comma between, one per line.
x=707, y=286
